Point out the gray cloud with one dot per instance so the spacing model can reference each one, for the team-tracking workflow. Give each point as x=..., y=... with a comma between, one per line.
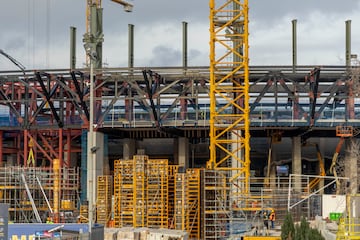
x=165, y=56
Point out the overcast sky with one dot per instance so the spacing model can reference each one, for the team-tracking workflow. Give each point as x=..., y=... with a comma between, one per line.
x=36, y=32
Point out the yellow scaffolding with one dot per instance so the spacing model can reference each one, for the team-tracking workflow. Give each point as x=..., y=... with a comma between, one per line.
x=157, y=193
x=180, y=201
x=104, y=196
x=172, y=171
x=139, y=189
x=84, y=214
x=193, y=203
x=124, y=193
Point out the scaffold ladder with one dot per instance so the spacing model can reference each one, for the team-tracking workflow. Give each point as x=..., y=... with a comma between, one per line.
x=44, y=194
x=31, y=199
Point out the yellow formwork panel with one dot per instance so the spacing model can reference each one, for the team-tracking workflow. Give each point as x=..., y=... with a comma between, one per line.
x=139, y=189
x=84, y=214
x=157, y=193
x=104, y=196
x=180, y=201
x=172, y=171
x=193, y=203
x=123, y=193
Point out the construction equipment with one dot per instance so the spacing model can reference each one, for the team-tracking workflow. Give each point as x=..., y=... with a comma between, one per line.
x=342, y=132
x=229, y=83
x=94, y=32
x=313, y=183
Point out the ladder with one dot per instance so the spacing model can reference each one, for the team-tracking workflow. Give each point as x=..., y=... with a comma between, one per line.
x=31, y=199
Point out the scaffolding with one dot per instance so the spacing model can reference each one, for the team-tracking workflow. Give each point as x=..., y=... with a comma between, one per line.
x=140, y=180
x=123, y=193
x=172, y=171
x=141, y=192
x=104, y=196
x=216, y=214
x=157, y=193
x=193, y=203
x=180, y=201
x=29, y=192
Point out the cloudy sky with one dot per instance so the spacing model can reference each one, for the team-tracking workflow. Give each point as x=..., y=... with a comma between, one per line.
x=36, y=32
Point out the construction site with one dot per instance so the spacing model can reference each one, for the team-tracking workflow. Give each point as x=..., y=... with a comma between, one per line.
x=190, y=152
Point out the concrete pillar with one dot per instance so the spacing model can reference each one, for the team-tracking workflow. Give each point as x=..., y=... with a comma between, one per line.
x=296, y=161
x=129, y=148
x=351, y=168
x=351, y=171
x=183, y=152
x=99, y=153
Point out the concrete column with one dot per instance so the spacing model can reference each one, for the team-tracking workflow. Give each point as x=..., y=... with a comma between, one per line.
x=183, y=152
x=351, y=168
x=351, y=171
x=99, y=153
x=129, y=148
x=296, y=161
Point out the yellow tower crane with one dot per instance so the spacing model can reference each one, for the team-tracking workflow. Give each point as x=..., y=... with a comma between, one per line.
x=229, y=91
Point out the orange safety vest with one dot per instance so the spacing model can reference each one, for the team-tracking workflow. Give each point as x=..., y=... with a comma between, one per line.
x=272, y=216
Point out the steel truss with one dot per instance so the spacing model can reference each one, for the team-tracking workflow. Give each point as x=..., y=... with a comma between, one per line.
x=42, y=109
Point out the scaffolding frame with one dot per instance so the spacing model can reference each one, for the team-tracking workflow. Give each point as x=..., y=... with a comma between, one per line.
x=216, y=213
x=157, y=193
x=193, y=202
x=104, y=197
x=39, y=182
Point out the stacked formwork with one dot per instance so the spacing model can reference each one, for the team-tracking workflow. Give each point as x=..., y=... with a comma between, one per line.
x=157, y=193
x=141, y=192
x=187, y=202
x=84, y=214
x=140, y=198
x=172, y=171
x=193, y=203
x=104, y=195
x=180, y=201
x=215, y=209
x=27, y=192
x=124, y=183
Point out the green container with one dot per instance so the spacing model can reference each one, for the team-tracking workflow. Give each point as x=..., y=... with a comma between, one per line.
x=335, y=216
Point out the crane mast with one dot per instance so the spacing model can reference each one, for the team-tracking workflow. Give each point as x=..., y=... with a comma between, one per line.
x=229, y=91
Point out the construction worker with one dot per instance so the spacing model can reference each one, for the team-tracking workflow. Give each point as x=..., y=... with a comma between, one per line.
x=272, y=218
x=266, y=220
x=49, y=220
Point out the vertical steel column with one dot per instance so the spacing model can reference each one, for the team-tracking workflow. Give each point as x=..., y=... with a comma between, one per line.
x=294, y=44
x=72, y=48
x=348, y=43
x=26, y=147
x=129, y=102
x=131, y=46
x=184, y=46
